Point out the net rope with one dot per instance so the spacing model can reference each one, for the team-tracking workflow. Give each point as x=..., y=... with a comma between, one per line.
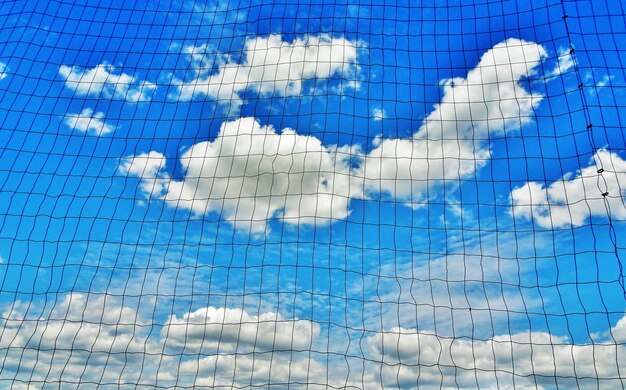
x=312, y=194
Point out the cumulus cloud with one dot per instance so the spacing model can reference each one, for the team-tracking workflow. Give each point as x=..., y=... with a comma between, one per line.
x=604, y=81
x=410, y=359
x=250, y=349
x=254, y=371
x=618, y=332
x=88, y=339
x=89, y=121
x=101, y=82
x=80, y=337
x=251, y=173
x=99, y=339
x=269, y=66
x=452, y=143
x=3, y=70
x=574, y=198
x=234, y=330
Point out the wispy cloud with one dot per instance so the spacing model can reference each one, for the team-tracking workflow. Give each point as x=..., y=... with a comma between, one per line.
x=565, y=62
x=89, y=121
x=604, y=81
x=102, y=82
x=4, y=69
x=101, y=339
x=378, y=114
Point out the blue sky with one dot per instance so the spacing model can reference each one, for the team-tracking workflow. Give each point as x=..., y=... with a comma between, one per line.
x=326, y=193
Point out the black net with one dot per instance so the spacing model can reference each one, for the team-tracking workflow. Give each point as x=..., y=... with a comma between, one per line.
x=319, y=194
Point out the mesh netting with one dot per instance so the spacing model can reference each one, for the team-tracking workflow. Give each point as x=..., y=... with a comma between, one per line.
x=312, y=194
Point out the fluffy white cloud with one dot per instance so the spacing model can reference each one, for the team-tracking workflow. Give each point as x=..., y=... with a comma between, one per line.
x=234, y=330
x=78, y=338
x=251, y=173
x=89, y=339
x=88, y=121
x=453, y=142
x=269, y=66
x=3, y=70
x=101, y=82
x=571, y=200
x=410, y=359
x=248, y=349
x=247, y=371
x=618, y=332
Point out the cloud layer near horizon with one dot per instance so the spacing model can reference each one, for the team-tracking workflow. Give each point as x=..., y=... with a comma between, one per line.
x=99, y=339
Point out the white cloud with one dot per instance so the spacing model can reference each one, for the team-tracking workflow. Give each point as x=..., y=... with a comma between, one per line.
x=604, y=81
x=64, y=318
x=234, y=330
x=251, y=350
x=101, y=82
x=98, y=339
x=280, y=371
x=80, y=337
x=87, y=339
x=149, y=167
x=379, y=114
x=411, y=359
x=599, y=85
x=88, y=121
x=565, y=62
x=469, y=295
x=4, y=69
x=453, y=142
x=251, y=173
x=472, y=291
x=571, y=200
x=269, y=66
